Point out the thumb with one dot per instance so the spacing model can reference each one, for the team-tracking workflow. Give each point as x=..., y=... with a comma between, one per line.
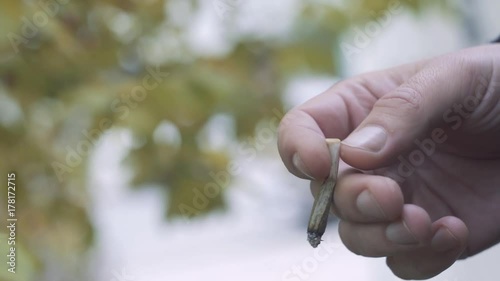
x=399, y=117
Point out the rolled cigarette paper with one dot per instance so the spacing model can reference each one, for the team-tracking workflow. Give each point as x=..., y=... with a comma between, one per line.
x=322, y=204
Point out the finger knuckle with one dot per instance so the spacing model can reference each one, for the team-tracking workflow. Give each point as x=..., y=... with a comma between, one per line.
x=405, y=97
x=293, y=117
x=284, y=121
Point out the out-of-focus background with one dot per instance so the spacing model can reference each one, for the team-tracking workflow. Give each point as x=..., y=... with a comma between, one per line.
x=143, y=132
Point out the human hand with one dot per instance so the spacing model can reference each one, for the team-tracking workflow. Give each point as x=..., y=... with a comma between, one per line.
x=420, y=182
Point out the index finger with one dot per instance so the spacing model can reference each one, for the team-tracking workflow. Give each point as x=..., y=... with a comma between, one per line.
x=301, y=140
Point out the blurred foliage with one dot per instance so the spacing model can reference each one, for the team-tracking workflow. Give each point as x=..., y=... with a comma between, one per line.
x=70, y=67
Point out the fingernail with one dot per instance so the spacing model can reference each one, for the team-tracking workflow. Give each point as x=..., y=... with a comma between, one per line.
x=297, y=162
x=370, y=138
x=368, y=205
x=444, y=240
x=399, y=233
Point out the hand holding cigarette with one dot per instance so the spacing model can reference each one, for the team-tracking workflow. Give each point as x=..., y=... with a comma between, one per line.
x=421, y=141
x=323, y=203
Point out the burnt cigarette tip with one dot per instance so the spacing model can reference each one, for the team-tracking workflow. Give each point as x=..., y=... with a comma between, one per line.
x=314, y=239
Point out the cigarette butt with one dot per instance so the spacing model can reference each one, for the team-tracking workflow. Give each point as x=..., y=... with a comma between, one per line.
x=322, y=204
